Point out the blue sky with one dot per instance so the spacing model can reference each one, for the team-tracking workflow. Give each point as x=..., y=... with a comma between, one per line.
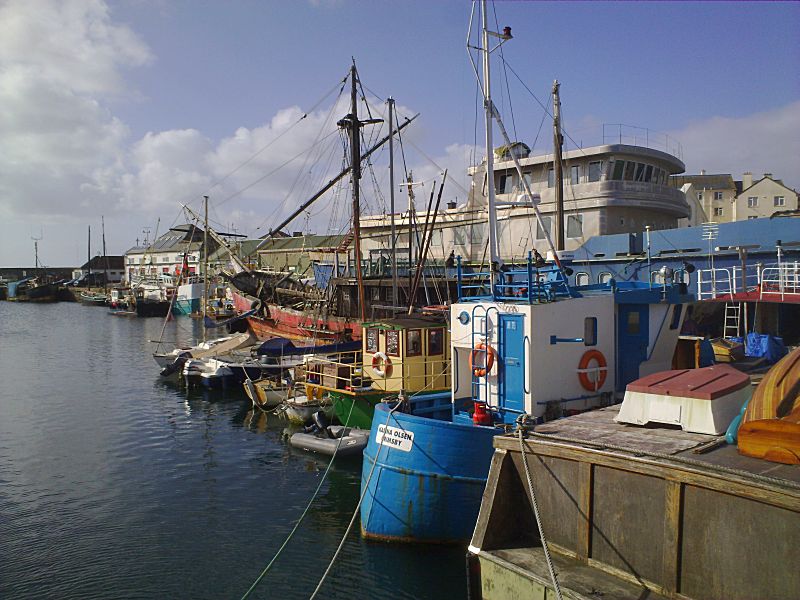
x=127, y=108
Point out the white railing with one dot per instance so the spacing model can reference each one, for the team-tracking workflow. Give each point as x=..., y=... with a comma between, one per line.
x=775, y=281
x=782, y=280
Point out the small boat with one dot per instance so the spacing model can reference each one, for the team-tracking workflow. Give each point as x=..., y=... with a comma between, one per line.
x=770, y=427
x=266, y=393
x=215, y=347
x=335, y=439
x=93, y=298
x=299, y=408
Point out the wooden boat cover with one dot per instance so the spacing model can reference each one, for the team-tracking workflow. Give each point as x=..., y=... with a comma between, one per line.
x=778, y=394
x=707, y=383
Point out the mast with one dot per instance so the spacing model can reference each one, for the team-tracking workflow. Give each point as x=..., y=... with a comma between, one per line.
x=558, y=142
x=105, y=254
x=395, y=299
x=205, y=264
x=487, y=99
x=89, y=251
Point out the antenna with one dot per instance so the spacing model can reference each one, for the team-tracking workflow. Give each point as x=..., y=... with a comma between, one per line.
x=146, y=232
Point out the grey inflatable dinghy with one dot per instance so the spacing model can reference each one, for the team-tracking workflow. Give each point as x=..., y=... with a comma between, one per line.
x=353, y=440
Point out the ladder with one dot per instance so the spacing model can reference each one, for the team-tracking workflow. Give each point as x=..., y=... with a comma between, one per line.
x=733, y=319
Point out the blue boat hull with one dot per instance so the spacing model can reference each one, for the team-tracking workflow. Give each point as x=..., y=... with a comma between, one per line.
x=186, y=306
x=428, y=480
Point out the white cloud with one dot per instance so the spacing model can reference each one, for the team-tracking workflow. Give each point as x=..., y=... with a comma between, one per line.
x=766, y=142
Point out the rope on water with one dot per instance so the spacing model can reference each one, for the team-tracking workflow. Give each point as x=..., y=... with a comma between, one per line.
x=302, y=516
x=521, y=427
x=356, y=511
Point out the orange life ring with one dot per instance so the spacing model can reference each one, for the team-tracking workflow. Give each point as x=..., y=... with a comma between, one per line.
x=480, y=371
x=583, y=370
x=381, y=365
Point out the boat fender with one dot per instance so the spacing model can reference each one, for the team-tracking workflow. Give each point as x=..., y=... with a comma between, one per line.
x=584, y=370
x=477, y=369
x=381, y=365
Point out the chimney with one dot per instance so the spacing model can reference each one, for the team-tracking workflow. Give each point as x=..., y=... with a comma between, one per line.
x=451, y=205
x=747, y=179
x=768, y=175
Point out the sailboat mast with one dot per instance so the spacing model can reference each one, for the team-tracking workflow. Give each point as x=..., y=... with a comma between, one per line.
x=487, y=99
x=205, y=263
x=395, y=299
x=558, y=142
x=355, y=172
x=105, y=254
x=89, y=251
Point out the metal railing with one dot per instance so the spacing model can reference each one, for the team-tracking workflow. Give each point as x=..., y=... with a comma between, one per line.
x=780, y=281
x=772, y=281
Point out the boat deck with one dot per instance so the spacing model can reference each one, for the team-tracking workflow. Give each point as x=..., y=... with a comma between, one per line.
x=632, y=512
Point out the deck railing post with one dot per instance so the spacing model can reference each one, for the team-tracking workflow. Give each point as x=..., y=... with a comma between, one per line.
x=458, y=276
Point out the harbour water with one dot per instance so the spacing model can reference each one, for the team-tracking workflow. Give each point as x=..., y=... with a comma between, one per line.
x=116, y=485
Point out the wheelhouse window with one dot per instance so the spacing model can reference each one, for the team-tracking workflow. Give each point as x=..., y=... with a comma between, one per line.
x=435, y=342
x=604, y=278
x=779, y=201
x=752, y=201
x=547, y=221
x=595, y=170
x=582, y=279
x=575, y=226
x=640, y=170
x=648, y=173
x=372, y=340
x=413, y=342
x=393, y=343
x=505, y=183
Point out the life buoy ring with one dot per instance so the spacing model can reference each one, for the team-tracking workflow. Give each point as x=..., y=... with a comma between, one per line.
x=381, y=365
x=480, y=371
x=584, y=370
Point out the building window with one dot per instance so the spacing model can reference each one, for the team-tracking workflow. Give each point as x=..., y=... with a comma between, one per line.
x=505, y=183
x=551, y=178
x=752, y=201
x=595, y=170
x=547, y=222
x=700, y=196
x=619, y=167
x=582, y=279
x=718, y=211
x=630, y=170
x=779, y=201
x=717, y=195
x=575, y=226
x=574, y=174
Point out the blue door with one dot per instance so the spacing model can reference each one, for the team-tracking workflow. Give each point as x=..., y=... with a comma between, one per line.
x=512, y=367
x=633, y=333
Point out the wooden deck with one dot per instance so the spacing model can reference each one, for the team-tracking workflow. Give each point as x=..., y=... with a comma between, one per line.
x=667, y=513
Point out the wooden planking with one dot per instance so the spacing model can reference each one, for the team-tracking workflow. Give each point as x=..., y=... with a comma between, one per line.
x=584, y=522
x=738, y=549
x=672, y=535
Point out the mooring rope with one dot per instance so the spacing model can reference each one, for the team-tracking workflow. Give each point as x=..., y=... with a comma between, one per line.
x=521, y=427
x=305, y=512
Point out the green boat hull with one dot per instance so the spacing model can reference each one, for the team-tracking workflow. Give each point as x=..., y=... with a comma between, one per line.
x=363, y=407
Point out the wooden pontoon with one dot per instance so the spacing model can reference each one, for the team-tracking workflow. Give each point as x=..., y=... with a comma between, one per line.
x=633, y=512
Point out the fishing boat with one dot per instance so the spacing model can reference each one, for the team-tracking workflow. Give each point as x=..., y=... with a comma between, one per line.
x=172, y=362
x=188, y=296
x=299, y=408
x=524, y=344
x=90, y=298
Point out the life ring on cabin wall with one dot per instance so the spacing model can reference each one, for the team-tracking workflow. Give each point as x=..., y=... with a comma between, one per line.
x=481, y=371
x=381, y=365
x=584, y=370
